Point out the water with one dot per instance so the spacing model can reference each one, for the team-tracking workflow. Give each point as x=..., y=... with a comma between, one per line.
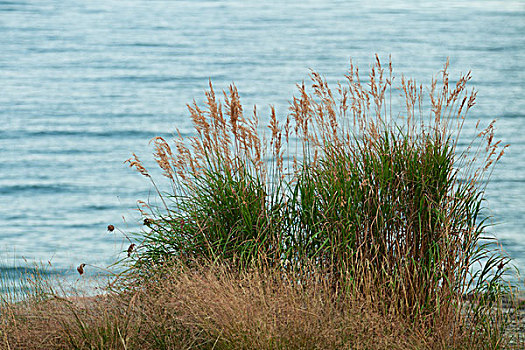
x=83, y=84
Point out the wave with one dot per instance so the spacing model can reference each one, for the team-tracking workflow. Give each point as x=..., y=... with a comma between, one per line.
x=103, y=134
x=37, y=189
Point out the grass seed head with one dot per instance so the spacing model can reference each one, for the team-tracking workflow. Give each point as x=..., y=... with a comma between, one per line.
x=80, y=269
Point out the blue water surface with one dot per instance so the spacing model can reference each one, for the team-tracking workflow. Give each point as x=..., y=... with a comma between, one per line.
x=83, y=84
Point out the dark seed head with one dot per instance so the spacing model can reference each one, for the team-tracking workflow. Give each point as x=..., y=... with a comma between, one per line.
x=80, y=269
x=130, y=249
x=111, y=228
x=147, y=221
x=501, y=265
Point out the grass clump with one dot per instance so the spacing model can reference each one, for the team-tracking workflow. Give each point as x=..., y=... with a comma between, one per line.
x=384, y=201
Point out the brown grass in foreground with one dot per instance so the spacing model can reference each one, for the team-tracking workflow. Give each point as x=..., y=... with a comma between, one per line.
x=213, y=307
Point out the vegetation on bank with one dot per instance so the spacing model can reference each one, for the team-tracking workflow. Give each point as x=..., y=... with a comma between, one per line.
x=356, y=223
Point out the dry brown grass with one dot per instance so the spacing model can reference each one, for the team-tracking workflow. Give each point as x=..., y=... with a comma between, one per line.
x=214, y=307
x=52, y=323
x=264, y=309
x=208, y=307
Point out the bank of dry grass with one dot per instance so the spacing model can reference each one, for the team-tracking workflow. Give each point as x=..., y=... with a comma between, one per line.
x=214, y=307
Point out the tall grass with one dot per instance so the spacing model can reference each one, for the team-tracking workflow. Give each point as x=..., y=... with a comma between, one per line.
x=375, y=192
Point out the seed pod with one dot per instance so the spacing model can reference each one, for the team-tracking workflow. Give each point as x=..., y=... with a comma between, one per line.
x=111, y=228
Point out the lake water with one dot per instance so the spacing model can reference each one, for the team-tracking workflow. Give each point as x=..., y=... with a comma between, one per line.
x=83, y=84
